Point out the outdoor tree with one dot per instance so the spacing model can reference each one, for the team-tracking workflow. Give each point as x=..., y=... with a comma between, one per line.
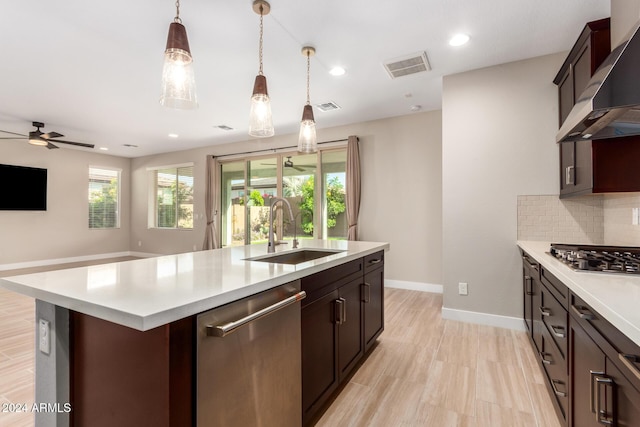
x=335, y=203
x=102, y=205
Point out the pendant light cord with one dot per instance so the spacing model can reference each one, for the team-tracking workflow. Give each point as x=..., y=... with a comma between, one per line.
x=260, y=49
x=177, y=18
x=308, y=73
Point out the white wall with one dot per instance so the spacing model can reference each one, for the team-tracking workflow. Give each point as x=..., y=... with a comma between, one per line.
x=61, y=231
x=624, y=16
x=499, y=126
x=401, y=192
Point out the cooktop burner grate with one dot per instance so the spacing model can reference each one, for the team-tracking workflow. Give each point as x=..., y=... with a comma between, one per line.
x=606, y=259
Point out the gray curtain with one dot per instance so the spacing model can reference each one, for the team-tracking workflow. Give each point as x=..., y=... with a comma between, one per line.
x=211, y=196
x=353, y=187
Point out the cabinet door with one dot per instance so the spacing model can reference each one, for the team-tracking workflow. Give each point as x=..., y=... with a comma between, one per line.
x=584, y=166
x=319, y=353
x=567, y=167
x=585, y=363
x=373, y=300
x=626, y=399
x=350, y=347
x=565, y=94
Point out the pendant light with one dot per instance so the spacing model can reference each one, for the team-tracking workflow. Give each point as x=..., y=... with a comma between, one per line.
x=307, y=142
x=178, y=82
x=260, y=121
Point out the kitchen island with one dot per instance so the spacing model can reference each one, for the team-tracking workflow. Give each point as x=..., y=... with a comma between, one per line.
x=139, y=307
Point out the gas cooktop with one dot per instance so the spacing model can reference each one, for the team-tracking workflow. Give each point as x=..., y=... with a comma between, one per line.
x=606, y=259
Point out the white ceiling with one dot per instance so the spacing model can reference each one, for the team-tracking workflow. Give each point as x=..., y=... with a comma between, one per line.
x=91, y=69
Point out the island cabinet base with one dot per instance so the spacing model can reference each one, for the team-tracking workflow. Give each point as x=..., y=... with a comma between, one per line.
x=124, y=377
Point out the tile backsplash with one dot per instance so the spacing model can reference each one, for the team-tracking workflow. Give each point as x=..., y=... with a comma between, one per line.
x=598, y=219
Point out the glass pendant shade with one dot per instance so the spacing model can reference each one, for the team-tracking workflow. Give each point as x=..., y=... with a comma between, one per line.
x=260, y=120
x=178, y=81
x=307, y=142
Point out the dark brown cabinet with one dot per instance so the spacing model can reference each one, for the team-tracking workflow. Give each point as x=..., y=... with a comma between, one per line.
x=605, y=371
x=545, y=315
x=341, y=317
x=590, y=50
x=373, y=299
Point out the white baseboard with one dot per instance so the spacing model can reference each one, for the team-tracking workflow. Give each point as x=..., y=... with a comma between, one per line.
x=516, y=323
x=54, y=261
x=413, y=286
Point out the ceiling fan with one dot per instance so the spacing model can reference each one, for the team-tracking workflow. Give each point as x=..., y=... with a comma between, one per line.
x=289, y=164
x=37, y=137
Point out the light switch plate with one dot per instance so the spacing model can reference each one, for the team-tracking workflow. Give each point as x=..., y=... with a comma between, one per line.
x=44, y=332
x=635, y=216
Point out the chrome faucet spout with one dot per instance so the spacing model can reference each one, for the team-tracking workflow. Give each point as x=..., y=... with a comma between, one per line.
x=271, y=246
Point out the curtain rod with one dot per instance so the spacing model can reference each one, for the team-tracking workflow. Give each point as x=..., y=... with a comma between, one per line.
x=275, y=150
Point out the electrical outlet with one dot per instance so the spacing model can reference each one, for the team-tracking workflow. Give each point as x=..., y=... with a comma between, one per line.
x=44, y=332
x=635, y=216
x=463, y=288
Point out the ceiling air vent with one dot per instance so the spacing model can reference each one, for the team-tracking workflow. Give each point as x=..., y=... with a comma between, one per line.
x=328, y=106
x=410, y=64
x=223, y=127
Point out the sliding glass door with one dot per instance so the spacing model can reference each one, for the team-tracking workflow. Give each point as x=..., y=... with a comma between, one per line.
x=312, y=183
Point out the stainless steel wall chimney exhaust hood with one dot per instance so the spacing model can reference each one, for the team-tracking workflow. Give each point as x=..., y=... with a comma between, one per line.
x=610, y=105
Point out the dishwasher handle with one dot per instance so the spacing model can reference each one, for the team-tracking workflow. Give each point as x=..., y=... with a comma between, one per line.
x=228, y=328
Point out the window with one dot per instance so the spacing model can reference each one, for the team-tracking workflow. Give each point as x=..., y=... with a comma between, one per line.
x=314, y=185
x=174, y=197
x=104, y=198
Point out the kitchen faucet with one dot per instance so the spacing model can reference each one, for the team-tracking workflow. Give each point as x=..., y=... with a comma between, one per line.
x=271, y=246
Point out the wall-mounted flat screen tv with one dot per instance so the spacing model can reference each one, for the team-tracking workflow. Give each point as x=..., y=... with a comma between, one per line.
x=23, y=188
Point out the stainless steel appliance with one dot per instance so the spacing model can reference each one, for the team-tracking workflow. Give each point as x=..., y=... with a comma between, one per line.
x=606, y=259
x=249, y=362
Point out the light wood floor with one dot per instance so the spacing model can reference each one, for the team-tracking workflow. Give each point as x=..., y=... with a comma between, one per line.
x=425, y=371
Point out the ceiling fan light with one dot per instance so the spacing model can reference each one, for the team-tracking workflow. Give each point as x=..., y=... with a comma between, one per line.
x=35, y=139
x=307, y=140
x=178, y=81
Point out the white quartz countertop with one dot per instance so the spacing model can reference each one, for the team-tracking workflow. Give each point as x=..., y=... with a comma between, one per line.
x=146, y=293
x=616, y=297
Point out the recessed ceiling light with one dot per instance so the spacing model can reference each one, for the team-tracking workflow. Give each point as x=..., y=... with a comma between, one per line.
x=104, y=148
x=337, y=71
x=173, y=135
x=459, y=40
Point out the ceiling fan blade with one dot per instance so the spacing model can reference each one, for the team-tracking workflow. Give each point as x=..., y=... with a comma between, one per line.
x=299, y=169
x=13, y=137
x=51, y=135
x=50, y=146
x=79, y=144
x=12, y=133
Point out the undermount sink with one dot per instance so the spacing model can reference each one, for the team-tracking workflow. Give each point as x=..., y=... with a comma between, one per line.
x=295, y=257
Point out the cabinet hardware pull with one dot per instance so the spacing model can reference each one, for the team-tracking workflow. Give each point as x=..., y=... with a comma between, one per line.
x=544, y=311
x=344, y=310
x=339, y=304
x=228, y=328
x=558, y=331
x=531, y=264
x=555, y=389
x=629, y=360
x=375, y=261
x=367, y=292
x=546, y=361
x=591, y=390
x=582, y=312
x=528, y=280
x=601, y=415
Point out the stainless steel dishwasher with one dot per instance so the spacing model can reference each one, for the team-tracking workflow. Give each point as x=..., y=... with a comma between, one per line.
x=249, y=361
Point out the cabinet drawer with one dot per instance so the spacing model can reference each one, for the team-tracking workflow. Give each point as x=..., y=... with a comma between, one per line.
x=555, y=366
x=614, y=343
x=373, y=261
x=556, y=287
x=554, y=316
